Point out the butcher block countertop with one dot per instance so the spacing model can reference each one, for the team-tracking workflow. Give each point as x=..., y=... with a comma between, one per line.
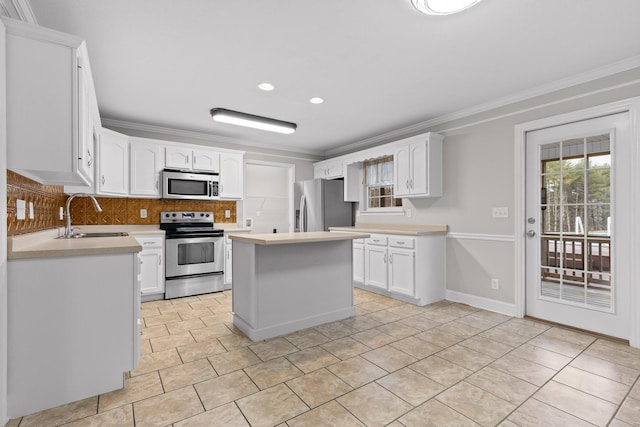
x=289, y=238
x=400, y=229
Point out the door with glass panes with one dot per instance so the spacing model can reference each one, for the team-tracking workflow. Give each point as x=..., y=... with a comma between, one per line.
x=577, y=201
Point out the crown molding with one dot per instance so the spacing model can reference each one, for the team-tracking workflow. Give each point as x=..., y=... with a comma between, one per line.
x=210, y=137
x=601, y=72
x=18, y=9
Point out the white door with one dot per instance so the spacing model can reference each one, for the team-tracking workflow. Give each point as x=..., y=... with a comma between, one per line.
x=146, y=162
x=268, y=196
x=113, y=163
x=577, y=210
x=206, y=160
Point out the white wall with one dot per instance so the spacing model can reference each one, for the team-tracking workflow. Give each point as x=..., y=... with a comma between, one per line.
x=266, y=201
x=479, y=175
x=3, y=235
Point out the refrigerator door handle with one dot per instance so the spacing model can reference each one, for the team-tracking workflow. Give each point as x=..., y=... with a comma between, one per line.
x=303, y=219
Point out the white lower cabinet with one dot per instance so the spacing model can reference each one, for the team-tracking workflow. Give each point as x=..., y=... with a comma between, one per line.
x=387, y=264
x=151, y=266
x=358, y=260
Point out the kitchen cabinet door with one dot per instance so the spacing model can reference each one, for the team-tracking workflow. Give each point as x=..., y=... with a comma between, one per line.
x=402, y=271
x=206, y=161
x=375, y=265
x=177, y=158
x=231, y=176
x=113, y=163
x=358, y=262
x=151, y=271
x=146, y=163
x=402, y=171
x=48, y=98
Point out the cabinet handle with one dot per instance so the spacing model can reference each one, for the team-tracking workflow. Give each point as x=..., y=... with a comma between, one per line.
x=156, y=184
x=90, y=162
x=186, y=160
x=160, y=260
x=411, y=182
x=102, y=179
x=400, y=243
x=148, y=243
x=385, y=258
x=195, y=159
x=407, y=184
x=390, y=258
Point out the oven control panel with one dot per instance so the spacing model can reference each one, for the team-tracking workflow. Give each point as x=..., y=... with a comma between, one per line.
x=186, y=217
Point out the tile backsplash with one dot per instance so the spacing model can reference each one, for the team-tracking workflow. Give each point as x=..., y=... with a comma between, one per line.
x=48, y=199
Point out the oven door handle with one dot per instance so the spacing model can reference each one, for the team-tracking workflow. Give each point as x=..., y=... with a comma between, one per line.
x=193, y=239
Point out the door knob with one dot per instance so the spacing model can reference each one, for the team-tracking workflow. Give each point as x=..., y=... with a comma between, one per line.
x=531, y=234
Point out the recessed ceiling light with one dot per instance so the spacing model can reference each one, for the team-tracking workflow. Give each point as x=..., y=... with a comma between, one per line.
x=443, y=7
x=249, y=120
x=266, y=86
x=316, y=100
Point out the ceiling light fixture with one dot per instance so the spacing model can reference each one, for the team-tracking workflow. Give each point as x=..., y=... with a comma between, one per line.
x=316, y=100
x=249, y=120
x=443, y=7
x=266, y=86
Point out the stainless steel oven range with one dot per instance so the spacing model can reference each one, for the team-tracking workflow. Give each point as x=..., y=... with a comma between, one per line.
x=194, y=254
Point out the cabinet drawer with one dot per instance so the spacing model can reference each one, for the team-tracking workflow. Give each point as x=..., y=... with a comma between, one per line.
x=377, y=239
x=402, y=242
x=150, y=242
x=358, y=241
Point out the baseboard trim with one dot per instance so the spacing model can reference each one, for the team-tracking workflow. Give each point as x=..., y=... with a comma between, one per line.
x=501, y=307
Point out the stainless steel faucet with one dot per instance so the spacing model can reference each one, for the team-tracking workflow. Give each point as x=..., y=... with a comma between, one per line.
x=68, y=232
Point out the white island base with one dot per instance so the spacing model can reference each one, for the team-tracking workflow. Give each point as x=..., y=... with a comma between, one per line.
x=281, y=287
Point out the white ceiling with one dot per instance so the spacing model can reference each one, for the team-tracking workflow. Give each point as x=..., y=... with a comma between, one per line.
x=380, y=65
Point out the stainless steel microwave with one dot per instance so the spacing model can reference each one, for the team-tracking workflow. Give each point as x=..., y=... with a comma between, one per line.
x=189, y=185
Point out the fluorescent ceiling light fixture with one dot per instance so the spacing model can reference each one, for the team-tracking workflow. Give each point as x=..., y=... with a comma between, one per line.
x=266, y=86
x=443, y=7
x=223, y=115
x=316, y=100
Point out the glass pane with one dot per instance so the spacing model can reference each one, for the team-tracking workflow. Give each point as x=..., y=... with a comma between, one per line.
x=551, y=219
x=549, y=154
x=599, y=256
x=551, y=183
x=397, y=202
x=573, y=254
x=573, y=219
x=599, y=186
x=573, y=187
x=573, y=151
x=195, y=253
x=374, y=203
x=599, y=161
x=599, y=220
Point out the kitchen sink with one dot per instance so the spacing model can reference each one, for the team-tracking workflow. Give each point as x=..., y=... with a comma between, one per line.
x=103, y=234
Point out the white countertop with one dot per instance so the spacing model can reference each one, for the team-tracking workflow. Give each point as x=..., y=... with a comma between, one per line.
x=289, y=238
x=400, y=229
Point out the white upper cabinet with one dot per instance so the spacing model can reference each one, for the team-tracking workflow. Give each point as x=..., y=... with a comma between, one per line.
x=113, y=164
x=49, y=100
x=146, y=159
x=328, y=169
x=231, y=176
x=192, y=159
x=417, y=167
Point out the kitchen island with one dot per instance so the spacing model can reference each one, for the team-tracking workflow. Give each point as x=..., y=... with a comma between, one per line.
x=285, y=282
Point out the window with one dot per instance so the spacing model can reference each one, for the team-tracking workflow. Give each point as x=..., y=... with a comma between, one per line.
x=379, y=185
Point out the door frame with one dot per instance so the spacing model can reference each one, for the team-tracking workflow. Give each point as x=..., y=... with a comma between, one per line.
x=632, y=106
x=292, y=177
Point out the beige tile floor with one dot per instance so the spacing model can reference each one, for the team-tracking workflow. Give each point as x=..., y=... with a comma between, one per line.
x=393, y=364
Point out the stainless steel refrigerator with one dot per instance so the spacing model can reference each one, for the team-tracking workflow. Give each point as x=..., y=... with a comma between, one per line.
x=319, y=204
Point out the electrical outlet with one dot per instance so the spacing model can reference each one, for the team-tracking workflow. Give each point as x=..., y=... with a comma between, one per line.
x=143, y=213
x=21, y=209
x=31, y=211
x=495, y=284
x=227, y=214
x=501, y=212
x=61, y=213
